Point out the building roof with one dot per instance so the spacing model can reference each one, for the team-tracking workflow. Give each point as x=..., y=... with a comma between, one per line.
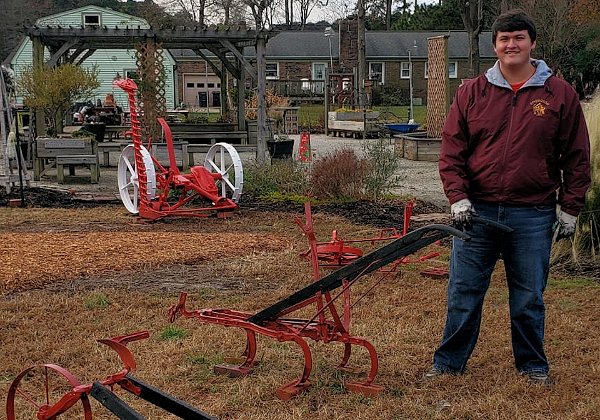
x=379, y=44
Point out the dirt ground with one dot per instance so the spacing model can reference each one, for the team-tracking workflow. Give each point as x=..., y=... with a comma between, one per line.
x=77, y=271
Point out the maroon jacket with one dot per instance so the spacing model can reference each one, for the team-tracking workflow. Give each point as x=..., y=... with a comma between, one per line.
x=506, y=147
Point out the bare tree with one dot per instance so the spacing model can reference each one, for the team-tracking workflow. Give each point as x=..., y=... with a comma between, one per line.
x=306, y=7
x=556, y=32
x=471, y=12
x=196, y=10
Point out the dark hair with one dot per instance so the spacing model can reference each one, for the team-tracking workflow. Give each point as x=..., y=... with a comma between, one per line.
x=511, y=21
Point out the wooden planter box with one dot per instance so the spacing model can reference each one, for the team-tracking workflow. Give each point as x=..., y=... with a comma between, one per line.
x=417, y=146
x=353, y=116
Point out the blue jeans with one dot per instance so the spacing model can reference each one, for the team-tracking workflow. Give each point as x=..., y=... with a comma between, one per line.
x=526, y=255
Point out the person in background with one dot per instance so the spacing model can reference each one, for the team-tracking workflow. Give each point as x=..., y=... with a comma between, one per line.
x=514, y=145
x=109, y=100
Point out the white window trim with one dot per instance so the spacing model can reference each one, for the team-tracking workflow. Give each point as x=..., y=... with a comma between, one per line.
x=83, y=15
x=382, y=81
x=450, y=75
x=274, y=77
x=402, y=63
x=125, y=71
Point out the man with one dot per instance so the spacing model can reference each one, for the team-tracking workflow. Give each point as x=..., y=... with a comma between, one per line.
x=515, y=144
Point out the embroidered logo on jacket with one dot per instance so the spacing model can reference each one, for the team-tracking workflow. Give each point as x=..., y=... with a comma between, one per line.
x=538, y=106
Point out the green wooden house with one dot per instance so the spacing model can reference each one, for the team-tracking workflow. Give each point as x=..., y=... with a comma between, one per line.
x=109, y=62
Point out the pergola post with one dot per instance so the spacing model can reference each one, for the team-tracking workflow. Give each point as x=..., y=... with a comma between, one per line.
x=241, y=97
x=224, y=86
x=261, y=111
x=38, y=64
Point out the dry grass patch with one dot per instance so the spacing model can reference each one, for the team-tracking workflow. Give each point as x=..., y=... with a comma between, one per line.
x=403, y=317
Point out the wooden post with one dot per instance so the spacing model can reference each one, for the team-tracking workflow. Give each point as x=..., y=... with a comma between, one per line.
x=224, y=84
x=38, y=64
x=241, y=96
x=261, y=112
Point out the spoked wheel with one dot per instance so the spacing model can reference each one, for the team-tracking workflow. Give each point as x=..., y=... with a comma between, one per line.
x=38, y=388
x=222, y=158
x=128, y=178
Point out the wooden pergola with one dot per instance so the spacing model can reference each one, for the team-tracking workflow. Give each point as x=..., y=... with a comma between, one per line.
x=75, y=44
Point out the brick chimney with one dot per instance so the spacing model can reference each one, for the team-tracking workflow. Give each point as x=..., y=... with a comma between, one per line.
x=348, y=32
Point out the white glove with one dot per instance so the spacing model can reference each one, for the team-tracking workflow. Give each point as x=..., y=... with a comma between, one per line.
x=462, y=214
x=565, y=225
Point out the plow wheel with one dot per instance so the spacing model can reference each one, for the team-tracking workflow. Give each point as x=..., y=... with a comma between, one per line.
x=33, y=393
x=223, y=159
x=128, y=178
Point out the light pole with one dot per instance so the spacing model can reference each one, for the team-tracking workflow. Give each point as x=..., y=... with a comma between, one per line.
x=328, y=34
x=410, y=89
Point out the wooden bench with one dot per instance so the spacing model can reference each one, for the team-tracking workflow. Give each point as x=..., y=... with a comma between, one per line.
x=114, y=131
x=177, y=145
x=203, y=148
x=47, y=149
x=194, y=137
x=105, y=148
x=72, y=161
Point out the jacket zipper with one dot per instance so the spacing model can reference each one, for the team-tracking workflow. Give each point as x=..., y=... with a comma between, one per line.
x=508, y=138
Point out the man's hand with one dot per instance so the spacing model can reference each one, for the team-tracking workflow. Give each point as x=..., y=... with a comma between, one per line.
x=564, y=226
x=462, y=214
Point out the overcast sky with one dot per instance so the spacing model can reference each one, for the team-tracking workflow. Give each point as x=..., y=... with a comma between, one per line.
x=337, y=9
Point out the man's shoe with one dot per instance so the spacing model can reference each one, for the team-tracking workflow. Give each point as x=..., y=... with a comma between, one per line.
x=436, y=372
x=538, y=377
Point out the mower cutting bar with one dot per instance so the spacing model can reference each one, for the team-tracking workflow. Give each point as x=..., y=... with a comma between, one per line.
x=167, y=402
x=399, y=248
x=113, y=403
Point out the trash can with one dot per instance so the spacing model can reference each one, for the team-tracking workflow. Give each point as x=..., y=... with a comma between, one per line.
x=281, y=149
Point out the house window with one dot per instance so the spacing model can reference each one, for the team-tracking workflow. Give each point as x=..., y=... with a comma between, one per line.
x=91, y=20
x=376, y=72
x=132, y=74
x=199, y=85
x=211, y=85
x=405, y=70
x=272, y=71
x=452, y=70
x=318, y=76
x=190, y=85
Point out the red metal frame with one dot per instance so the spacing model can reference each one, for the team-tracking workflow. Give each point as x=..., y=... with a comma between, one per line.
x=79, y=392
x=337, y=252
x=197, y=185
x=328, y=324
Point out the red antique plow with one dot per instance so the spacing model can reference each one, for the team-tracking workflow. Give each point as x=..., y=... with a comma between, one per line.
x=328, y=323
x=47, y=391
x=338, y=252
x=212, y=189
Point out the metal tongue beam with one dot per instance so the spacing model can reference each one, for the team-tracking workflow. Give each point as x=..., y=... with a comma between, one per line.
x=399, y=248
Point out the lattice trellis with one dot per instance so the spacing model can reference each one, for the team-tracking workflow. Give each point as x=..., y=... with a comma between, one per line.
x=437, y=85
x=151, y=85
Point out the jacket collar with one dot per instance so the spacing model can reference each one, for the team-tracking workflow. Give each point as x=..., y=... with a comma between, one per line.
x=542, y=73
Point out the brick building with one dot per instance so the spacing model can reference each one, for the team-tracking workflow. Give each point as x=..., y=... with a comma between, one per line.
x=296, y=62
